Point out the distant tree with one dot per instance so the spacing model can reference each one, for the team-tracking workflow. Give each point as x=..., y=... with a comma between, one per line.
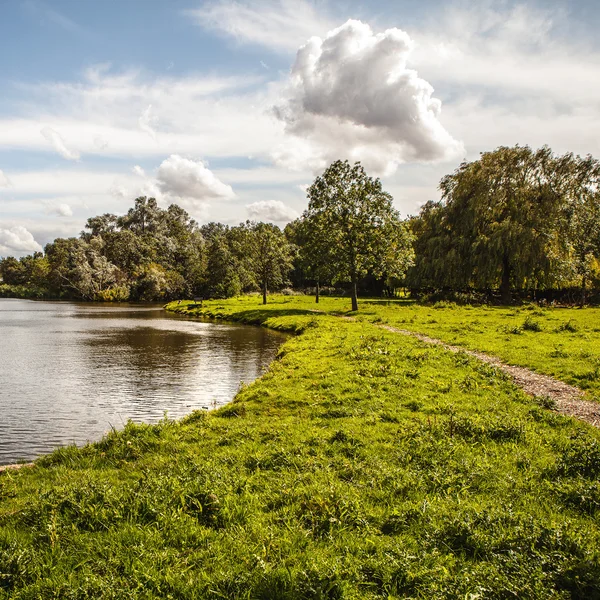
x=144, y=217
x=583, y=222
x=221, y=278
x=313, y=250
x=353, y=228
x=12, y=271
x=268, y=254
x=100, y=225
x=79, y=267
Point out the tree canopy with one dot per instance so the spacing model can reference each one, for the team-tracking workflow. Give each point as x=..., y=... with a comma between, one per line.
x=353, y=228
x=509, y=220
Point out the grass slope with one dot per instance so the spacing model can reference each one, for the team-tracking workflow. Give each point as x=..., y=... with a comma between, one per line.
x=561, y=342
x=362, y=465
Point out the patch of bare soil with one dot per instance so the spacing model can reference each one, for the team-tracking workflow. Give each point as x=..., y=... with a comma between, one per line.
x=14, y=467
x=568, y=399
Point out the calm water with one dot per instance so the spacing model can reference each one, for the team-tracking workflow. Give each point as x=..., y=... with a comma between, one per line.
x=69, y=372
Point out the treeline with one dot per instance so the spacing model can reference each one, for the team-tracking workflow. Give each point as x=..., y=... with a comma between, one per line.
x=153, y=254
x=516, y=221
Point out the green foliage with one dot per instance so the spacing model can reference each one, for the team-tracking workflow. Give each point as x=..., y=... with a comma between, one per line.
x=513, y=219
x=352, y=227
x=266, y=254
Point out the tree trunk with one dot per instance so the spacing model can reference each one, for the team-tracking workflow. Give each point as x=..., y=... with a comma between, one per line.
x=354, y=297
x=317, y=293
x=583, y=291
x=505, y=285
x=264, y=291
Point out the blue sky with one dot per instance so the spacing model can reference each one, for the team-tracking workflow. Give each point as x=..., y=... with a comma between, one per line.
x=230, y=109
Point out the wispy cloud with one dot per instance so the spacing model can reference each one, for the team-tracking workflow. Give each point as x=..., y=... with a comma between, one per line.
x=47, y=13
x=146, y=120
x=58, y=143
x=4, y=180
x=280, y=25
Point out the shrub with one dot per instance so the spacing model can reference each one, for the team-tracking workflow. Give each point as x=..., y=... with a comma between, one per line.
x=530, y=324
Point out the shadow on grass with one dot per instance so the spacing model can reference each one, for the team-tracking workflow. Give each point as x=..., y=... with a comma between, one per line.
x=259, y=315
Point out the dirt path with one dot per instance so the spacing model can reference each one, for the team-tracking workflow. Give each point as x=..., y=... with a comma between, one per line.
x=569, y=400
x=14, y=467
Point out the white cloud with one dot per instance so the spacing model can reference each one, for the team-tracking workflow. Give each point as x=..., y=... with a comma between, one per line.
x=61, y=210
x=100, y=143
x=139, y=171
x=17, y=240
x=58, y=143
x=214, y=113
x=185, y=178
x=146, y=120
x=118, y=190
x=277, y=24
x=271, y=210
x=352, y=96
x=4, y=180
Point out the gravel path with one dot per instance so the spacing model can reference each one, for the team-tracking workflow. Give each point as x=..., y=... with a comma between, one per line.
x=569, y=400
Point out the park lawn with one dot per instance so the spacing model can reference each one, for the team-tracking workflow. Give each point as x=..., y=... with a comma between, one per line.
x=363, y=464
x=560, y=342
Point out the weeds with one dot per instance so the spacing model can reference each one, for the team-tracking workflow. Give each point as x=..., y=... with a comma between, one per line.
x=530, y=324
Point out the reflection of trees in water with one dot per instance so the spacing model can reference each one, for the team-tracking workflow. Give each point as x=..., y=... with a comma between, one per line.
x=76, y=371
x=153, y=362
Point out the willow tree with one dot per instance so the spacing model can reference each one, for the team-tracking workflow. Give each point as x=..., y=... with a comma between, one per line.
x=500, y=221
x=584, y=218
x=354, y=227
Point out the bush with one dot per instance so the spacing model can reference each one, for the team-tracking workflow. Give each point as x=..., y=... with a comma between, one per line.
x=530, y=324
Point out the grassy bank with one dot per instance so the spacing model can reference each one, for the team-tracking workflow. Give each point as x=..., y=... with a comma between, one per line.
x=561, y=342
x=364, y=464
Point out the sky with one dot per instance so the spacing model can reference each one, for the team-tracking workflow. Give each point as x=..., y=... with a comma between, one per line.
x=232, y=108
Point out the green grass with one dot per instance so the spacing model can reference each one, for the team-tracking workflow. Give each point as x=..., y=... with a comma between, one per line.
x=561, y=342
x=364, y=464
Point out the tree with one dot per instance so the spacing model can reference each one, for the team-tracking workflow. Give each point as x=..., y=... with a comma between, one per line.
x=499, y=222
x=354, y=228
x=80, y=267
x=583, y=220
x=312, y=257
x=221, y=278
x=268, y=254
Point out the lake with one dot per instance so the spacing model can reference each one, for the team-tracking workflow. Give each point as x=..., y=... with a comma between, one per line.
x=69, y=372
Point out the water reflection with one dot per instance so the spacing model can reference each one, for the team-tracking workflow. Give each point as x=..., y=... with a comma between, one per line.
x=68, y=371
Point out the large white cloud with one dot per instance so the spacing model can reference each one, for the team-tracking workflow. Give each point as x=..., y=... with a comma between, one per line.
x=271, y=210
x=185, y=178
x=58, y=143
x=352, y=96
x=17, y=240
x=4, y=180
